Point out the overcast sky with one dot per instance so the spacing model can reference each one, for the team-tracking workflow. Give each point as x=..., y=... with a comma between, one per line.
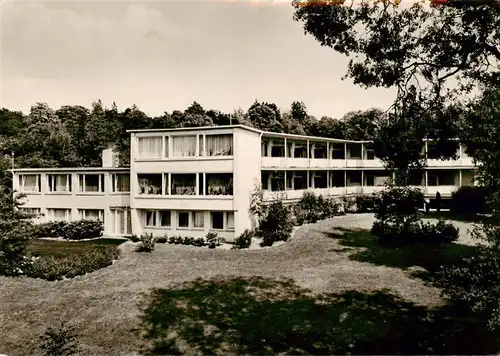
x=162, y=56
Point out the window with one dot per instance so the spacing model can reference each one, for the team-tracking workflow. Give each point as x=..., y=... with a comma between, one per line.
x=354, y=151
x=183, y=219
x=122, y=222
x=230, y=220
x=337, y=178
x=217, y=220
x=338, y=151
x=369, y=152
x=150, y=184
x=150, y=218
x=219, y=184
x=165, y=218
x=222, y=220
x=92, y=214
x=370, y=180
x=278, y=181
x=278, y=148
x=184, y=146
x=320, y=180
x=59, y=183
x=299, y=180
x=121, y=183
x=199, y=219
x=201, y=146
x=219, y=145
x=320, y=151
x=201, y=184
x=183, y=184
x=263, y=148
x=354, y=178
x=32, y=211
x=59, y=214
x=264, y=178
x=150, y=147
x=297, y=149
x=30, y=183
x=91, y=183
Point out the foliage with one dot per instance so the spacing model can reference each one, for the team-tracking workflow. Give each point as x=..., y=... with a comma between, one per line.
x=147, y=243
x=468, y=201
x=74, y=230
x=244, y=240
x=311, y=208
x=399, y=206
x=59, y=341
x=76, y=264
x=276, y=224
x=162, y=239
x=365, y=202
x=390, y=44
x=213, y=240
x=16, y=229
x=265, y=116
x=391, y=235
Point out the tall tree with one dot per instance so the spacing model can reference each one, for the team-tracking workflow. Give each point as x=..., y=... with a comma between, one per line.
x=195, y=116
x=361, y=125
x=265, y=116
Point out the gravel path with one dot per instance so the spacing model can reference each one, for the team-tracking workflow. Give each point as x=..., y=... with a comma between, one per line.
x=104, y=304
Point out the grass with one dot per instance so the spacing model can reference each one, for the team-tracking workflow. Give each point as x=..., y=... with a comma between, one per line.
x=363, y=247
x=313, y=295
x=265, y=317
x=60, y=249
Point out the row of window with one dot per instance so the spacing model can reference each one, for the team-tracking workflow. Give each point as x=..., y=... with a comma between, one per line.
x=87, y=183
x=166, y=146
x=298, y=180
x=186, y=184
x=120, y=217
x=332, y=150
x=218, y=220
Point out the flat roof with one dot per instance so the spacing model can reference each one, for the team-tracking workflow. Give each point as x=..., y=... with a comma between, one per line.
x=204, y=128
x=70, y=169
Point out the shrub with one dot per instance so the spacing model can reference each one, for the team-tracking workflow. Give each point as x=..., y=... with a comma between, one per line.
x=469, y=201
x=147, y=243
x=199, y=241
x=213, y=240
x=276, y=224
x=244, y=240
x=365, y=202
x=75, y=230
x=134, y=238
x=188, y=240
x=77, y=264
x=391, y=235
x=311, y=208
x=60, y=341
x=162, y=239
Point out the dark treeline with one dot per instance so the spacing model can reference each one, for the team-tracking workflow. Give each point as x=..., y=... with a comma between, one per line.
x=74, y=136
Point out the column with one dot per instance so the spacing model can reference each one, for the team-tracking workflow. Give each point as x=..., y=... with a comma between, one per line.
x=459, y=177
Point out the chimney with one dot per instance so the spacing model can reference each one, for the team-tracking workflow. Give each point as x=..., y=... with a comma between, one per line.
x=110, y=158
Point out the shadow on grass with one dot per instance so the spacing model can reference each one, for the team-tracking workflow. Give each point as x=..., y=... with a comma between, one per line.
x=430, y=258
x=448, y=215
x=264, y=317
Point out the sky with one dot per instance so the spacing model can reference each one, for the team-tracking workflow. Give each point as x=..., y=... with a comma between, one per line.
x=164, y=55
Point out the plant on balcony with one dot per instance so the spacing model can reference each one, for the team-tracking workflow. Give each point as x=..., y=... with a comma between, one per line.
x=226, y=189
x=183, y=190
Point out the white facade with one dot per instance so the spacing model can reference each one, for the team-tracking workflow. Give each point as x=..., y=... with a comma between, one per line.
x=194, y=180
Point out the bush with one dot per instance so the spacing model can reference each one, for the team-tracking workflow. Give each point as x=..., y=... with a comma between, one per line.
x=468, y=201
x=60, y=341
x=75, y=230
x=311, y=208
x=365, y=202
x=161, y=240
x=147, y=243
x=244, y=240
x=52, y=269
x=213, y=240
x=134, y=238
x=276, y=224
x=391, y=235
x=199, y=241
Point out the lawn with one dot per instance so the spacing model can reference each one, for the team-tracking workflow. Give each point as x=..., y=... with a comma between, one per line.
x=448, y=215
x=59, y=249
x=317, y=294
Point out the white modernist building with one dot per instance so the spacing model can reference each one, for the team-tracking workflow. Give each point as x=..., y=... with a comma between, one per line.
x=191, y=181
